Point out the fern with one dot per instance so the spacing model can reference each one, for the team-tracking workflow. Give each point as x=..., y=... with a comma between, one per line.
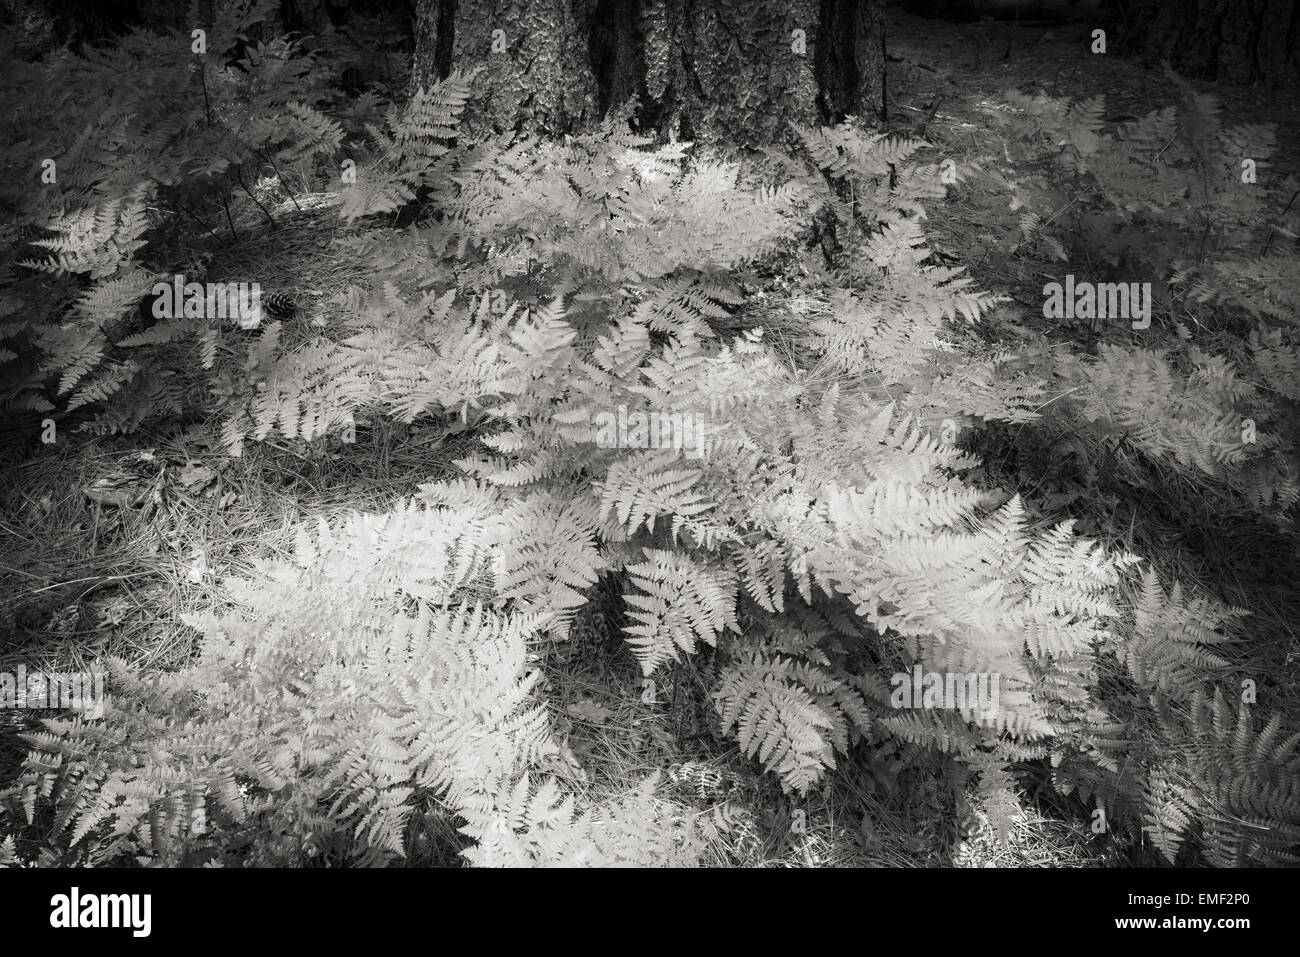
x=140, y=134
x=414, y=695
x=825, y=536
x=680, y=603
x=776, y=720
x=408, y=151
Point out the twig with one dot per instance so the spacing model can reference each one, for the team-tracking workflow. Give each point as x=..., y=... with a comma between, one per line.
x=225, y=204
x=203, y=80
x=239, y=175
x=1269, y=241
x=207, y=109
x=190, y=213
x=280, y=176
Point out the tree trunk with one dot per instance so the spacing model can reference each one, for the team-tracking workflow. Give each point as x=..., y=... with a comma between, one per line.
x=71, y=21
x=732, y=70
x=1240, y=41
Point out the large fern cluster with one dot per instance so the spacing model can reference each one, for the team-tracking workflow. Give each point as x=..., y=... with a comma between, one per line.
x=808, y=516
x=880, y=525
x=360, y=703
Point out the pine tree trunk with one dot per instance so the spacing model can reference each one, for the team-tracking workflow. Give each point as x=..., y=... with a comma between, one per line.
x=75, y=21
x=1240, y=41
x=734, y=70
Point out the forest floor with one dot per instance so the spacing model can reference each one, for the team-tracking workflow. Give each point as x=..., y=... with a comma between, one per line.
x=81, y=579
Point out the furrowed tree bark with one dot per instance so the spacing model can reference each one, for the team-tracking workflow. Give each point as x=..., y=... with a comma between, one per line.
x=1240, y=41
x=736, y=71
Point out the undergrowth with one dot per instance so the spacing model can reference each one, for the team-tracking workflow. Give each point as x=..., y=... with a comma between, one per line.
x=740, y=395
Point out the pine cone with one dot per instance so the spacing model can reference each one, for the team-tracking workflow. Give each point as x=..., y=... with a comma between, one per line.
x=279, y=305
